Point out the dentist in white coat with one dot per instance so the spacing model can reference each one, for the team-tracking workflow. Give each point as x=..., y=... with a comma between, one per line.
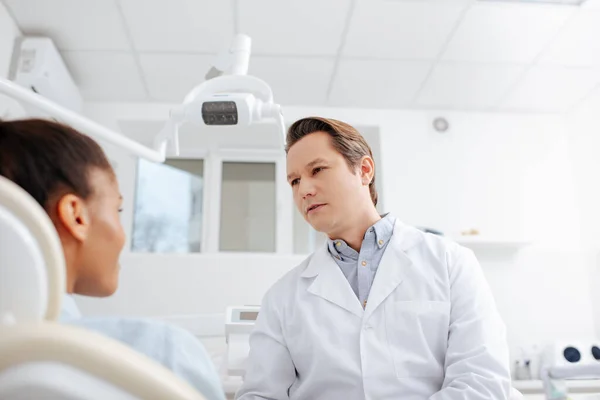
x=383, y=311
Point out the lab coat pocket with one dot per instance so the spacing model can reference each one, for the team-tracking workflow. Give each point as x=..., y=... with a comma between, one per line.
x=417, y=333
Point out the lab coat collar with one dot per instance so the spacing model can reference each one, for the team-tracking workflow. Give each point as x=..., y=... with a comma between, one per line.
x=331, y=284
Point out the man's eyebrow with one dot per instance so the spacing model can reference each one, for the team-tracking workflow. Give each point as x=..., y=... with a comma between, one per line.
x=309, y=165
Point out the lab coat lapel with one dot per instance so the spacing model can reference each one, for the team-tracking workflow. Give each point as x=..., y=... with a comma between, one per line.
x=393, y=262
x=330, y=283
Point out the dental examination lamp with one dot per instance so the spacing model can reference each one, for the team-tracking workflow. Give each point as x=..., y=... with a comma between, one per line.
x=228, y=97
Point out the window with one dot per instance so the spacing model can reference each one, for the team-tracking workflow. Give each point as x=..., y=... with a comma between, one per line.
x=248, y=207
x=168, y=207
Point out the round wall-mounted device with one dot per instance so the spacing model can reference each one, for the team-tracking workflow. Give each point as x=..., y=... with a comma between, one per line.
x=441, y=124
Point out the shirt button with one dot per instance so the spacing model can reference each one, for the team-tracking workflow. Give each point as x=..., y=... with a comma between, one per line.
x=380, y=242
x=338, y=244
x=364, y=263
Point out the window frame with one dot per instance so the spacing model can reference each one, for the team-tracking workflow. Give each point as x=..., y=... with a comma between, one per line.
x=213, y=177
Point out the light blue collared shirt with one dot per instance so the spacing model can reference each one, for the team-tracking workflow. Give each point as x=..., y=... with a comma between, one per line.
x=175, y=348
x=360, y=268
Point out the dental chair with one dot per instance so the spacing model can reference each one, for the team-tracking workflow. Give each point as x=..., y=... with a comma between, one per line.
x=41, y=358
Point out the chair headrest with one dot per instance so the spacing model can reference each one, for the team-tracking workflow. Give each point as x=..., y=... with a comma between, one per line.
x=32, y=266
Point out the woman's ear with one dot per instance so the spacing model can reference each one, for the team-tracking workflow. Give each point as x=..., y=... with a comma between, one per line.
x=72, y=214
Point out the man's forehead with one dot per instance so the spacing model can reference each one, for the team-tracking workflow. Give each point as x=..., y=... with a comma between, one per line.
x=306, y=150
x=309, y=154
x=302, y=160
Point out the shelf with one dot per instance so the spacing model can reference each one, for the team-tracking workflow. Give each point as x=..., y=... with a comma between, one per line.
x=574, y=386
x=481, y=242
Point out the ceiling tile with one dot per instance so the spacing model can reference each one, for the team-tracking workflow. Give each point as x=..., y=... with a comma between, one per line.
x=170, y=77
x=510, y=33
x=469, y=86
x=552, y=89
x=105, y=76
x=308, y=27
x=295, y=81
x=401, y=30
x=578, y=43
x=73, y=24
x=589, y=105
x=179, y=25
x=591, y=5
x=377, y=84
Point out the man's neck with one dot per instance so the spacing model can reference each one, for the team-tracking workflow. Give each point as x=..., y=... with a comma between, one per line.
x=355, y=234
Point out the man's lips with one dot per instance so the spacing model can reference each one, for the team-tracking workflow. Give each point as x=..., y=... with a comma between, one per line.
x=314, y=207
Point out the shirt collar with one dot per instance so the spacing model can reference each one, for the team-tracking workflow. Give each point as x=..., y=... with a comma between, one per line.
x=382, y=229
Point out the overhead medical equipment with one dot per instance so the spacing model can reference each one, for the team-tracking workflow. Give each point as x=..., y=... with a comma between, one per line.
x=37, y=65
x=78, y=122
x=229, y=97
x=239, y=322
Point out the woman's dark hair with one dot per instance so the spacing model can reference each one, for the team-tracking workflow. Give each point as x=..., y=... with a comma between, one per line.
x=44, y=157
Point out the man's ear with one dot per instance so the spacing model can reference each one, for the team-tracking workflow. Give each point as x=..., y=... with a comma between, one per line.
x=367, y=169
x=72, y=214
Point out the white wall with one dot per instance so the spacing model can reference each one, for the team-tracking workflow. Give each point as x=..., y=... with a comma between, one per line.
x=508, y=175
x=584, y=136
x=8, y=33
x=9, y=108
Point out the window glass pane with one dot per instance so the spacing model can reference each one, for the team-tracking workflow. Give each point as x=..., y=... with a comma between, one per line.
x=168, y=207
x=248, y=207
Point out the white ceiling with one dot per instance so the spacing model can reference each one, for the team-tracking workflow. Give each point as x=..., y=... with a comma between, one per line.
x=420, y=54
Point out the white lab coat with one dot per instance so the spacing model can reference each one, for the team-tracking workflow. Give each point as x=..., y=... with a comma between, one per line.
x=430, y=330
